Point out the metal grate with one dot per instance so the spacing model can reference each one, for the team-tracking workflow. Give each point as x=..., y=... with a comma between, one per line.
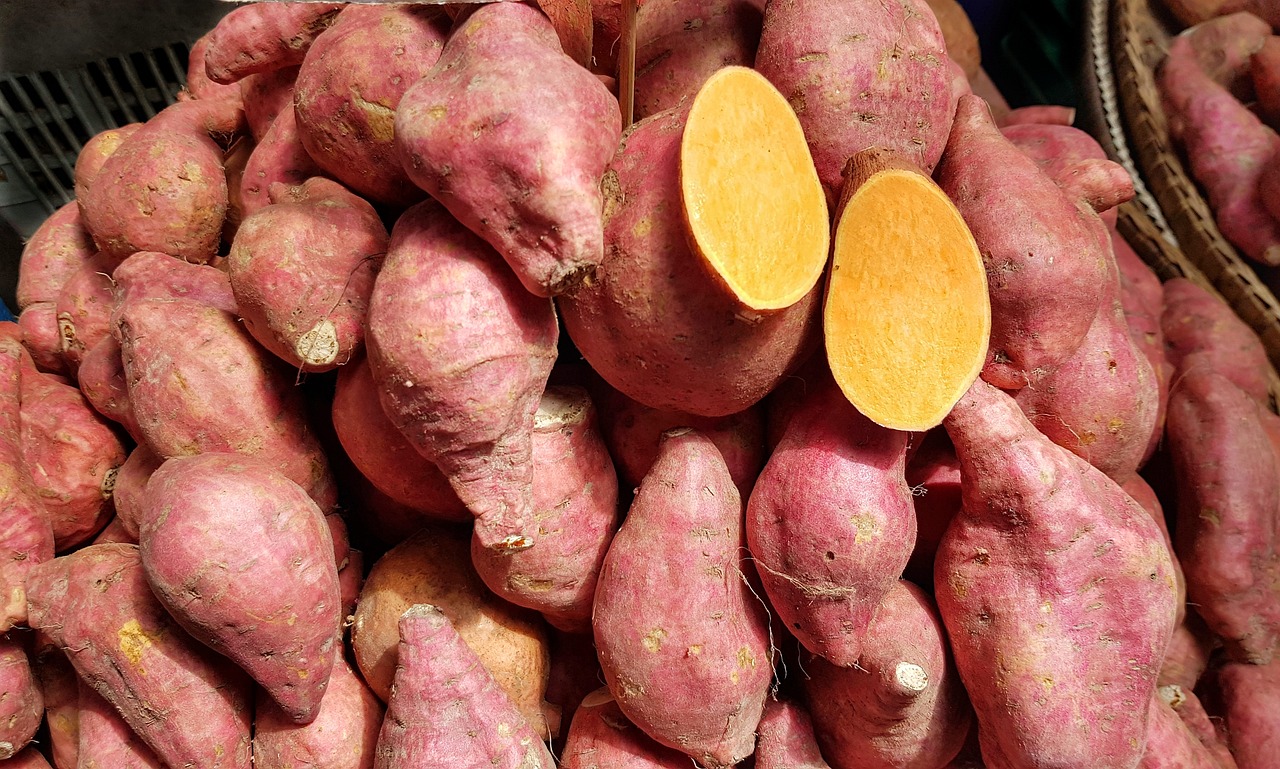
x=46, y=118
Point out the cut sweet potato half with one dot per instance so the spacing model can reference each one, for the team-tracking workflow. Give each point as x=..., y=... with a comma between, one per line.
x=754, y=208
x=907, y=316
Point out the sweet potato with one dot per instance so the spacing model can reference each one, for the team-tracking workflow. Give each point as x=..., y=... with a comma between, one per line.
x=302, y=270
x=350, y=583
x=933, y=475
x=1046, y=274
x=234, y=162
x=1264, y=72
x=278, y=158
x=150, y=275
x=648, y=319
x=102, y=381
x=199, y=383
x=446, y=710
x=96, y=601
x=57, y=249
x=1169, y=743
x=114, y=532
x=1142, y=493
x=1140, y=287
x=131, y=485
x=268, y=597
x=1043, y=534
x=41, y=337
x=575, y=509
x=1228, y=492
x=901, y=705
x=95, y=153
x=28, y=759
x=199, y=84
x=434, y=566
x=491, y=142
x=24, y=525
x=1188, y=655
x=22, y=704
x=60, y=688
x=84, y=308
x=830, y=524
x=1223, y=49
x=164, y=188
x=1077, y=163
x=601, y=736
x=265, y=96
x=1192, y=12
x=575, y=673
x=264, y=37
x=342, y=736
x=859, y=75
x=959, y=35
x=692, y=674
x=478, y=376
x=1185, y=703
x=72, y=456
x=349, y=90
x=1251, y=695
x=106, y=741
x=786, y=739
x=1195, y=321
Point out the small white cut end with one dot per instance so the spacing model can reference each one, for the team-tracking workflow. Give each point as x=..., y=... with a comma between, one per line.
x=318, y=346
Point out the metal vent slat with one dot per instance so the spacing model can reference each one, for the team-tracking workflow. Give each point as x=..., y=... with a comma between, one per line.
x=53, y=152
x=96, y=99
x=20, y=169
x=31, y=154
x=70, y=137
x=122, y=104
x=179, y=68
x=78, y=101
x=162, y=82
x=139, y=90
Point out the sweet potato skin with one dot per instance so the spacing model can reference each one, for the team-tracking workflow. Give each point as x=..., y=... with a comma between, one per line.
x=1195, y=321
x=278, y=158
x=933, y=475
x=132, y=653
x=858, y=75
x=28, y=759
x=343, y=735
x=151, y=275
x=447, y=710
x=786, y=739
x=1077, y=163
x=654, y=350
x=693, y=675
x=131, y=486
x=95, y=153
x=601, y=736
x=1037, y=529
x=102, y=381
x=22, y=706
x=1251, y=695
x=60, y=687
x=1169, y=744
x=302, y=270
x=57, y=249
x=1264, y=72
x=541, y=135
x=479, y=376
x=261, y=38
x=199, y=84
x=265, y=96
x=84, y=308
x=106, y=741
x=41, y=337
x=286, y=637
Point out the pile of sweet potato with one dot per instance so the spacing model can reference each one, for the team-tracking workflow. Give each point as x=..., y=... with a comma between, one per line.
x=371, y=407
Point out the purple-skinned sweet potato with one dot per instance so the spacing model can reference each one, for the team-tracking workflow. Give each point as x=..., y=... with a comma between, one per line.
x=264, y=37
x=96, y=602
x=84, y=308
x=41, y=337
x=199, y=383
x=72, y=456
x=60, y=688
x=446, y=710
x=461, y=354
x=95, y=153
x=24, y=525
x=342, y=736
x=382, y=454
x=601, y=736
x=57, y=249
x=1195, y=321
x=1228, y=491
x=164, y=188
x=265, y=96
x=692, y=674
x=349, y=90
x=575, y=509
x=1251, y=699
x=901, y=706
x=830, y=524
x=786, y=739
x=302, y=270
x=268, y=597
x=106, y=741
x=859, y=75
x=278, y=158
x=21, y=704
x=652, y=321
x=1222, y=48
x=1045, y=272
x=515, y=153
x=1043, y=534
x=102, y=381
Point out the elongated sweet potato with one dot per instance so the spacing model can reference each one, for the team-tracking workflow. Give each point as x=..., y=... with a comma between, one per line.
x=1264, y=72
x=268, y=597
x=199, y=383
x=1251, y=695
x=1045, y=273
x=22, y=705
x=601, y=736
x=95, y=153
x=648, y=319
x=1223, y=49
x=41, y=337
x=902, y=705
x=106, y=741
x=57, y=249
x=349, y=90
x=278, y=158
x=492, y=143
x=102, y=381
x=264, y=37
x=575, y=509
x=478, y=376
x=265, y=96
x=60, y=687
x=302, y=270
x=1195, y=321
x=96, y=602
x=1043, y=534
x=342, y=736
x=1078, y=164
x=72, y=456
x=446, y=709
x=859, y=75
x=830, y=524
x=199, y=84
x=151, y=275
x=691, y=674
x=434, y=566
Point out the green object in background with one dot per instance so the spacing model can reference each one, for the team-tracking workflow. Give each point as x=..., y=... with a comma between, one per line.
x=1039, y=53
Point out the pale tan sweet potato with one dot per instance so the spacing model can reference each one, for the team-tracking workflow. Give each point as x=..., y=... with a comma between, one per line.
x=601, y=736
x=692, y=674
x=57, y=249
x=342, y=736
x=95, y=153
x=479, y=375
x=278, y=158
x=106, y=741
x=127, y=648
x=434, y=566
x=22, y=703
x=785, y=739
x=515, y=153
x=264, y=37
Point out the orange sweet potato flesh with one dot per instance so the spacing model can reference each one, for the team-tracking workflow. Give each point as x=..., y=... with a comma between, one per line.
x=752, y=201
x=907, y=315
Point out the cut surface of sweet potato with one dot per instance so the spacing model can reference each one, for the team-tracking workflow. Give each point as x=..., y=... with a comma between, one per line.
x=755, y=210
x=907, y=317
